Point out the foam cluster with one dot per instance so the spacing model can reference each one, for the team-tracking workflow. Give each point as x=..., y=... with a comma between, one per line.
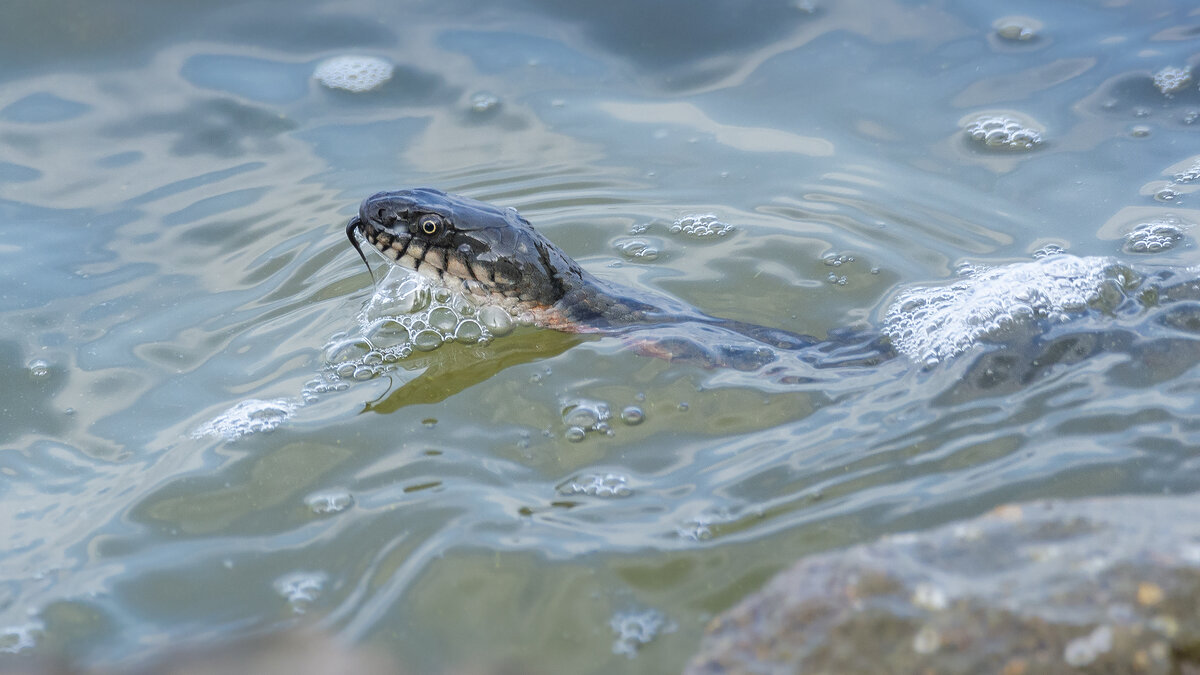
x=1157, y=235
x=353, y=73
x=248, y=417
x=705, y=225
x=1171, y=80
x=932, y=324
x=1003, y=132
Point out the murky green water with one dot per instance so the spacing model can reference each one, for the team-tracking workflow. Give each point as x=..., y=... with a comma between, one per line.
x=173, y=192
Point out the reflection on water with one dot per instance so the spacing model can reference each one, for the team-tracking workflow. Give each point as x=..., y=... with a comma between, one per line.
x=174, y=186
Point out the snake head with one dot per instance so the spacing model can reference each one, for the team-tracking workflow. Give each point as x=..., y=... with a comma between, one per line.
x=464, y=243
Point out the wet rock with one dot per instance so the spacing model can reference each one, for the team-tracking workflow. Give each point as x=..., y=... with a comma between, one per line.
x=1094, y=586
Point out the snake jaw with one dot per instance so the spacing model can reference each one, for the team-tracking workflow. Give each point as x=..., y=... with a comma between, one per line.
x=353, y=226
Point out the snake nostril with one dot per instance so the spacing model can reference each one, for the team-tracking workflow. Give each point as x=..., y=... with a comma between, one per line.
x=381, y=215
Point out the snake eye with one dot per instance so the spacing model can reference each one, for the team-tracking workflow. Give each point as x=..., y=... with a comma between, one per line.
x=430, y=224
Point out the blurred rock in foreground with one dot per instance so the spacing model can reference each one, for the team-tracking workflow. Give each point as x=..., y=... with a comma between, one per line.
x=1095, y=586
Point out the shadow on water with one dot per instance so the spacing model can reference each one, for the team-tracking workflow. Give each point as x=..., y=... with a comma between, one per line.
x=450, y=371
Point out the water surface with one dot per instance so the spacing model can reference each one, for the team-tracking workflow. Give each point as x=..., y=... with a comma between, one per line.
x=173, y=191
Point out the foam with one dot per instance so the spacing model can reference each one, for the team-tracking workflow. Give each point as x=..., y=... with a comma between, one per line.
x=932, y=324
x=353, y=73
x=248, y=417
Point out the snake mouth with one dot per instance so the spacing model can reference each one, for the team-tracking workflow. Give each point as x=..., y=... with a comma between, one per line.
x=356, y=225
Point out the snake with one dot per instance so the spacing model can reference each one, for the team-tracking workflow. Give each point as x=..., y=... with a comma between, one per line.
x=493, y=255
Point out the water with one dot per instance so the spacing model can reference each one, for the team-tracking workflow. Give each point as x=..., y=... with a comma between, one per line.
x=174, y=186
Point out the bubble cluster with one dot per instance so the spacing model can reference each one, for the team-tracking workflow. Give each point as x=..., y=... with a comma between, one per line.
x=407, y=314
x=325, y=503
x=1155, y=236
x=1171, y=80
x=705, y=225
x=301, y=589
x=597, y=485
x=583, y=415
x=637, y=250
x=1017, y=28
x=16, y=639
x=353, y=73
x=933, y=324
x=1003, y=132
x=1189, y=175
x=248, y=417
x=636, y=629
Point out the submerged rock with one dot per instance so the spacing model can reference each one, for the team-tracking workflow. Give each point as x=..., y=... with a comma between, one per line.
x=1094, y=586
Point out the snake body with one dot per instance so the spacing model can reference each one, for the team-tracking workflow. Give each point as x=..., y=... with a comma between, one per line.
x=495, y=256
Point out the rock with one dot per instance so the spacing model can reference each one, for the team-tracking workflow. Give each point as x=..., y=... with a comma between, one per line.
x=1108, y=585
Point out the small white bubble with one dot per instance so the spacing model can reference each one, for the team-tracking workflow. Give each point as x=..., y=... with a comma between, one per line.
x=323, y=503
x=39, y=368
x=483, y=102
x=636, y=629
x=301, y=589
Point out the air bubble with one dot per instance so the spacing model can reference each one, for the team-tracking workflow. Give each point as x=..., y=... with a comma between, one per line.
x=632, y=415
x=637, y=250
x=1166, y=195
x=443, y=319
x=497, y=320
x=1140, y=131
x=1017, y=28
x=353, y=73
x=387, y=333
x=575, y=434
x=427, y=340
x=468, y=332
x=346, y=351
x=39, y=368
